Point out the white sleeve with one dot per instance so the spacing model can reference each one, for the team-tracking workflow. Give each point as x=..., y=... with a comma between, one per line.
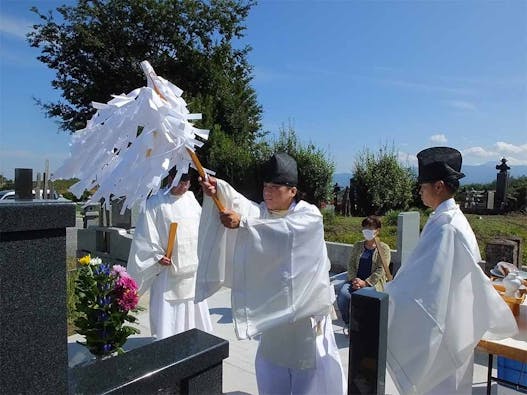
x=146, y=250
x=216, y=243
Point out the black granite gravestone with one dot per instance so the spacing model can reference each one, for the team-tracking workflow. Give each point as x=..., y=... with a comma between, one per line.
x=368, y=342
x=186, y=363
x=33, y=296
x=502, y=181
x=24, y=184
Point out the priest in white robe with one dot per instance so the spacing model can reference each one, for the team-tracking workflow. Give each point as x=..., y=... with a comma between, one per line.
x=274, y=258
x=441, y=302
x=171, y=281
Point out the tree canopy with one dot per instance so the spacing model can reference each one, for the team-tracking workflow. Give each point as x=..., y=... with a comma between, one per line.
x=315, y=169
x=381, y=182
x=97, y=46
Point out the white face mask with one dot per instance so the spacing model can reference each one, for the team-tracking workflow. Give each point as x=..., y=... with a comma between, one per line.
x=369, y=234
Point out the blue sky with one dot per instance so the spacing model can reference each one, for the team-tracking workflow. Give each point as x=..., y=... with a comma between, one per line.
x=345, y=74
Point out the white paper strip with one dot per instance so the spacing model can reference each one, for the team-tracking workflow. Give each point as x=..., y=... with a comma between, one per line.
x=131, y=142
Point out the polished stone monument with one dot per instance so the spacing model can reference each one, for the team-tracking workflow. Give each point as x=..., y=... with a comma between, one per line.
x=186, y=363
x=33, y=295
x=502, y=181
x=368, y=342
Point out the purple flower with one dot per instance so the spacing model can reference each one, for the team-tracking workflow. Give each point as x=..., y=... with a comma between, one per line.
x=120, y=270
x=103, y=268
x=103, y=316
x=105, y=301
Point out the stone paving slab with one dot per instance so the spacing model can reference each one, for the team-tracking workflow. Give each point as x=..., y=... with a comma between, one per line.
x=238, y=370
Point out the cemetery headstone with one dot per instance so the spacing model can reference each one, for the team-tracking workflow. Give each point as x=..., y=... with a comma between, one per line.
x=23, y=184
x=502, y=249
x=33, y=296
x=368, y=342
x=408, y=224
x=119, y=220
x=502, y=180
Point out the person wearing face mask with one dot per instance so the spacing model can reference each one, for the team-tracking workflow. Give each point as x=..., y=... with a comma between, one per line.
x=365, y=266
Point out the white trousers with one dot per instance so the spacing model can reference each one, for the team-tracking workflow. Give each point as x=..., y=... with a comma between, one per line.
x=458, y=383
x=327, y=378
x=168, y=318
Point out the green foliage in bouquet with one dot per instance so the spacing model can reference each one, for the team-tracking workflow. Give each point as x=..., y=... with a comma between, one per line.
x=106, y=298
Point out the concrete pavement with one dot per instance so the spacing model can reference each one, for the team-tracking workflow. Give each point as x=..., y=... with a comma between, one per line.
x=238, y=370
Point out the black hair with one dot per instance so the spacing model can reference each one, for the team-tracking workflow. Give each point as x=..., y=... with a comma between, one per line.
x=451, y=184
x=370, y=221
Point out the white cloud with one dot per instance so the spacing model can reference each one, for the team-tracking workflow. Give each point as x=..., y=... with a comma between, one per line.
x=461, y=105
x=515, y=154
x=438, y=139
x=511, y=148
x=14, y=26
x=407, y=159
x=479, y=152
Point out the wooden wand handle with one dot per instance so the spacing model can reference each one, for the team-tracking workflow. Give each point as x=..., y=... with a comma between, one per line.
x=203, y=175
x=171, y=239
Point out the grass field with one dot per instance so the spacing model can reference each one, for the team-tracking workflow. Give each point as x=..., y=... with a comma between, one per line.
x=486, y=227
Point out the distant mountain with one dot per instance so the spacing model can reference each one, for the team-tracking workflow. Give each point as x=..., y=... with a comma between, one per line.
x=481, y=174
x=487, y=172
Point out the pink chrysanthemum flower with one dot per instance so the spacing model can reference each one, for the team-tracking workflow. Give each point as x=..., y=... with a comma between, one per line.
x=120, y=270
x=128, y=300
x=127, y=283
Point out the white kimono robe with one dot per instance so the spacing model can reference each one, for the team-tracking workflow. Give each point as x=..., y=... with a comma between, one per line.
x=172, y=287
x=278, y=270
x=441, y=305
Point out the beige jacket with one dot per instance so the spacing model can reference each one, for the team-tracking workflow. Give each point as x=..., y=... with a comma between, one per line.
x=377, y=277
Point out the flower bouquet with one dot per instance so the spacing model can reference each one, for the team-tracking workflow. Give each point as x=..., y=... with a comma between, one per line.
x=106, y=298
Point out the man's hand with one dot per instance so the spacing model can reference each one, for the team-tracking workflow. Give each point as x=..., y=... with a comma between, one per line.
x=357, y=283
x=165, y=261
x=230, y=219
x=208, y=185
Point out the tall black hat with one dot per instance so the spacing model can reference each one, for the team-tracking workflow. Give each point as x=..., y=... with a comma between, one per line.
x=280, y=169
x=184, y=176
x=439, y=163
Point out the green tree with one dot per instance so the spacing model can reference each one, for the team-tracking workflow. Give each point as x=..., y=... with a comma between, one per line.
x=6, y=183
x=382, y=183
x=518, y=193
x=315, y=169
x=97, y=46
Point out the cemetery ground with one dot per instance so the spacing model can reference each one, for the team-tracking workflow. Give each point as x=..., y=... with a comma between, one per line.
x=239, y=376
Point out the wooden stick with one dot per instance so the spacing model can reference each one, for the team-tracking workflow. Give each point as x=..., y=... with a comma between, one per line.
x=385, y=266
x=171, y=239
x=204, y=176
